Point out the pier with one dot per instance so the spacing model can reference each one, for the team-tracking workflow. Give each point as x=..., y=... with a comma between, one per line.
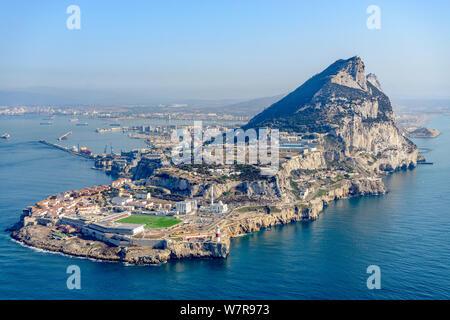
x=424, y=161
x=64, y=136
x=76, y=153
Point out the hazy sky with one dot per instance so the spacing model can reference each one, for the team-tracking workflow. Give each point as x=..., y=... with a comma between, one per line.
x=221, y=49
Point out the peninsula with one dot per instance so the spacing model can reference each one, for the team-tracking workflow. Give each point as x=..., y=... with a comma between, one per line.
x=338, y=138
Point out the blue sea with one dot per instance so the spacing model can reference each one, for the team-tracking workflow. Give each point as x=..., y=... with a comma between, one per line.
x=405, y=232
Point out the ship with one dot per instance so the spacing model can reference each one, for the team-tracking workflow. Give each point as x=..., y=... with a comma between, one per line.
x=5, y=136
x=84, y=150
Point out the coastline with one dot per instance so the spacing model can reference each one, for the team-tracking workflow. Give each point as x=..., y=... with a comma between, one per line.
x=38, y=237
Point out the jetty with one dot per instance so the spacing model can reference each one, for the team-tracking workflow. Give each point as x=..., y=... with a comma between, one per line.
x=424, y=162
x=85, y=155
x=64, y=136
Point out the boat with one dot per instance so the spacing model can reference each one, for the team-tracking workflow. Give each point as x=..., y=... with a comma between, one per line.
x=73, y=120
x=5, y=136
x=82, y=124
x=85, y=151
x=47, y=123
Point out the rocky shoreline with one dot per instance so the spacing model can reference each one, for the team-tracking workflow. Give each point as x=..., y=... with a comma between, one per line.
x=306, y=212
x=38, y=236
x=352, y=139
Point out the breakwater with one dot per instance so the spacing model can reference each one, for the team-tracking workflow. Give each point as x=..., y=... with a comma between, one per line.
x=76, y=153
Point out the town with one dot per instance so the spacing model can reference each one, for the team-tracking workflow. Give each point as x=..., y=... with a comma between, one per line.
x=125, y=214
x=154, y=202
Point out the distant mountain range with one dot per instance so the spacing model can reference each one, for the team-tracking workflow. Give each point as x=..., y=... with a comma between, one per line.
x=45, y=96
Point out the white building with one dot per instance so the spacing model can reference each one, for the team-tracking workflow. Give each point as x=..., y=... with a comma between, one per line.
x=218, y=207
x=120, y=182
x=112, y=227
x=187, y=206
x=303, y=194
x=121, y=201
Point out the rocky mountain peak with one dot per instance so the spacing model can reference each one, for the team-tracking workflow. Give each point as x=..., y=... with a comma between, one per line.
x=350, y=110
x=350, y=73
x=372, y=78
x=341, y=90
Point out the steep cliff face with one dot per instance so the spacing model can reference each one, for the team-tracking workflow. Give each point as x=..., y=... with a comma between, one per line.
x=146, y=167
x=179, y=250
x=189, y=186
x=41, y=237
x=379, y=146
x=372, y=78
x=310, y=161
x=174, y=183
x=353, y=113
x=291, y=212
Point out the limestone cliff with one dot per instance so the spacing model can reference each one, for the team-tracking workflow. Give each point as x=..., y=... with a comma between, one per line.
x=291, y=212
x=41, y=237
x=352, y=112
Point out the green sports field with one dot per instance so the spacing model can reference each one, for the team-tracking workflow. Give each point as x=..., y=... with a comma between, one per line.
x=150, y=221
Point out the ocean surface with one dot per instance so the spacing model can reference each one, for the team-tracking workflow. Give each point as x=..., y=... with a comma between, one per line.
x=406, y=233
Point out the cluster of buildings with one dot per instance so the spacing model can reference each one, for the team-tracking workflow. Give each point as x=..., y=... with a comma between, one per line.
x=97, y=211
x=298, y=143
x=189, y=206
x=83, y=203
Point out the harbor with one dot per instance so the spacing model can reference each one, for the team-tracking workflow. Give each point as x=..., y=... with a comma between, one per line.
x=82, y=152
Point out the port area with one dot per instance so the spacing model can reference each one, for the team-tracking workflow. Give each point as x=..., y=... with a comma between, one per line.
x=82, y=152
